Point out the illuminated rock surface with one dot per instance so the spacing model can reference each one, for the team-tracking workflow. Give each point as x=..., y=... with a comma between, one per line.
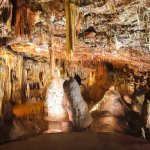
x=109, y=114
x=57, y=114
x=54, y=99
x=3, y=84
x=105, y=42
x=80, y=114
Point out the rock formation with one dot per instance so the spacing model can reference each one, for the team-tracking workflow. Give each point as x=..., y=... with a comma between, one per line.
x=146, y=117
x=3, y=84
x=54, y=98
x=57, y=114
x=1, y=97
x=100, y=42
x=109, y=113
x=81, y=117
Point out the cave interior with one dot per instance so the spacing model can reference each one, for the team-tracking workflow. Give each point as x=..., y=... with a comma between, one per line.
x=103, y=44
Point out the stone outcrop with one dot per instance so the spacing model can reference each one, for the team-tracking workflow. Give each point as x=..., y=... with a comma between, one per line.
x=109, y=113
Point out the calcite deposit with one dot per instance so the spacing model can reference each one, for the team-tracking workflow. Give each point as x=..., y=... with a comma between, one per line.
x=81, y=117
x=96, y=44
x=54, y=98
x=110, y=113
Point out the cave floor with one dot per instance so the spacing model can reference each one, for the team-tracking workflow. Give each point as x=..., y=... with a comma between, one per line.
x=78, y=140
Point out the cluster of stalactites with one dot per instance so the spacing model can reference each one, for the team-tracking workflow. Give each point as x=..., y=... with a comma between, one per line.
x=24, y=18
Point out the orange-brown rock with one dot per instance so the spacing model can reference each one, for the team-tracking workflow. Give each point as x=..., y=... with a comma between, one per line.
x=109, y=114
x=24, y=19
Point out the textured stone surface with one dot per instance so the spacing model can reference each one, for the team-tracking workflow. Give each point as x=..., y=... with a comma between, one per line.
x=17, y=129
x=109, y=113
x=115, y=32
x=54, y=99
x=116, y=28
x=146, y=116
x=3, y=84
x=80, y=113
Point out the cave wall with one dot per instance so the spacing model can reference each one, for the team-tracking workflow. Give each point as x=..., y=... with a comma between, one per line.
x=133, y=85
x=99, y=86
x=16, y=71
x=5, y=18
x=24, y=18
x=37, y=76
x=13, y=63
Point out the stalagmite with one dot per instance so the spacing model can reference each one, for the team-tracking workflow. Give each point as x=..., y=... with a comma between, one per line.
x=54, y=98
x=57, y=114
x=81, y=117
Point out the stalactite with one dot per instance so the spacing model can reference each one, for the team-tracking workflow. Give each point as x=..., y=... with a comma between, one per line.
x=111, y=6
x=68, y=28
x=73, y=24
x=52, y=58
x=71, y=12
x=9, y=21
x=24, y=19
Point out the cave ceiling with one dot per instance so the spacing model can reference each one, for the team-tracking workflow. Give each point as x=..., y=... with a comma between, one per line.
x=112, y=27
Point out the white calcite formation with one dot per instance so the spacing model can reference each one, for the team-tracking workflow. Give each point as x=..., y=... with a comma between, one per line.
x=54, y=99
